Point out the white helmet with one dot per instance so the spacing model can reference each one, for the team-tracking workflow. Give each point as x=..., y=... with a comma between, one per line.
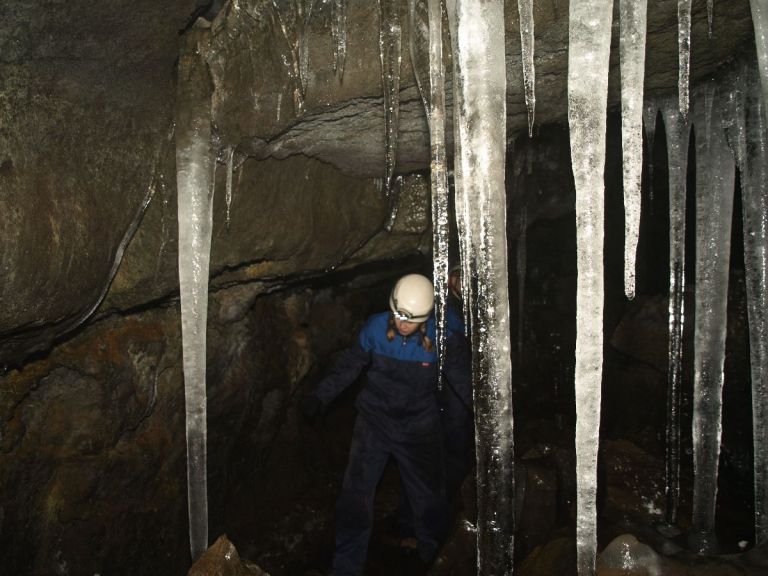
x=412, y=298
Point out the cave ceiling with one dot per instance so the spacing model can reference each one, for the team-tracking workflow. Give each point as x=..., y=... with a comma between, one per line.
x=87, y=95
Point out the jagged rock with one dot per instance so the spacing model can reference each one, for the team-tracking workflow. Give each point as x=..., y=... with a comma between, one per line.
x=222, y=559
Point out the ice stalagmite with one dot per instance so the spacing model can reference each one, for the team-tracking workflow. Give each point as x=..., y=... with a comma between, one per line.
x=525, y=10
x=684, y=53
x=390, y=42
x=632, y=60
x=715, y=172
x=195, y=162
x=339, y=35
x=749, y=139
x=760, y=22
x=477, y=29
x=521, y=261
x=678, y=132
x=589, y=35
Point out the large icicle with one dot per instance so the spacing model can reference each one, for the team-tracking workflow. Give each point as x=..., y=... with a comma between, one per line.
x=714, y=207
x=678, y=132
x=390, y=42
x=195, y=163
x=439, y=172
x=760, y=22
x=525, y=10
x=589, y=36
x=339, y=35
x=749, y=139
x=477, y=30
x=633, y=16
x=684, y=53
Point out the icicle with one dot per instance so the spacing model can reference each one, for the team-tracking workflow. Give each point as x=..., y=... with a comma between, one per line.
x=294, y=24
x=478, y=37
x=390, y=40
x=305, y=9
x=394, y=202
x=419, y=46
x=650, y=110
x=230, y=167
x=749, y=141
x=710, y=16
x=714, y=207
x=339, y=35
x=684, y=52
x=678, y=133
x=760, y=22
x=633, y=15
x=521, y=274
x=589, y=34
x=525, y=11
x=195, y=163
x=439, y=179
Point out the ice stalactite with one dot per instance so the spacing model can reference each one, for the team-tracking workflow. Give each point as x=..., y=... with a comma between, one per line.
x=760, y=22
x=438, y=165
x=195, y=163
x=650, y=111
x=477, y=31
x=230, y=169
x=419, y=47
x=678, y=133
x=748, y=137
x=715, y=172
x=633, y=21
x=710, y=16
x=684, y=53
x=339, y=35
x=525, y=10
x=589, y=36
x=293, y=19
x=521, y=261
x=390, y=44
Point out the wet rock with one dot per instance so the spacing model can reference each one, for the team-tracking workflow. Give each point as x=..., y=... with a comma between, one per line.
x=222, y=559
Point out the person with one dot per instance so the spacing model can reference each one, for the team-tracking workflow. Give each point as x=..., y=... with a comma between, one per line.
x=398, y=417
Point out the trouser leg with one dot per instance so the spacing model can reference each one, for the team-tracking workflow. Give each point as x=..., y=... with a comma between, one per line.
x=421, y=471
x=354, y=509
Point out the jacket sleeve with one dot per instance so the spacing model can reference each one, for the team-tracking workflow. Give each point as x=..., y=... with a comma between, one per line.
x=457, y=368
x=345, y=371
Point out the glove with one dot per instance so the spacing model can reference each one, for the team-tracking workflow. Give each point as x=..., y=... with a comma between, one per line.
x=311, y=408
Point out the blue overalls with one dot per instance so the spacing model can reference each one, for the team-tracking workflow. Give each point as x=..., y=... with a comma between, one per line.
x=398, y=416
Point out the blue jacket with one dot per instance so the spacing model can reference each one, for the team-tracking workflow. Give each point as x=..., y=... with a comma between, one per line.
x=400, y=395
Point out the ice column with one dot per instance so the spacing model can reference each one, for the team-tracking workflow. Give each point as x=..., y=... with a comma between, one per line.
x=714, y=207
x=678, y=132
x=195, y=163
x=632, y=60
x=525, y=10
x=477, y=29
x=748, y=137
x=684, y=52
x=760, y=22
x=390, y=41
x=589, y=36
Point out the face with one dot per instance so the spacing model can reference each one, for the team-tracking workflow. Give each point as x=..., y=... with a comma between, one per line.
x=454, y=281
x=405, y=328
